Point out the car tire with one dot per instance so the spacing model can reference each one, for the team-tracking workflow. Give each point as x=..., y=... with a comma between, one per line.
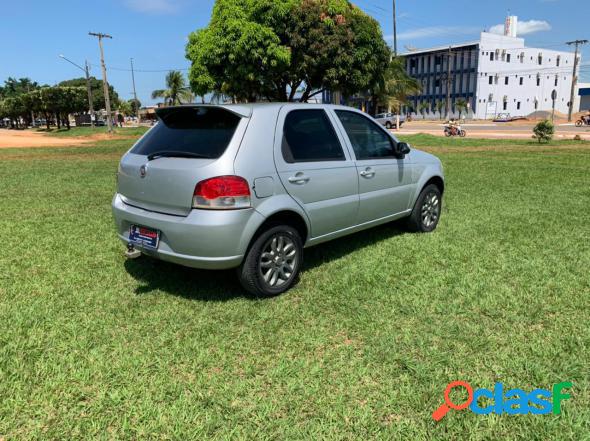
x=271, y=265
x=427, y=210
x=388, y=125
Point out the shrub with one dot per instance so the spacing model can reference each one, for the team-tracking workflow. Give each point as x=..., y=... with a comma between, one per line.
x=544, y=131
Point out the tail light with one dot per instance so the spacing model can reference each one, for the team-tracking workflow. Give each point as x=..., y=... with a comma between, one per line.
x=222, y=193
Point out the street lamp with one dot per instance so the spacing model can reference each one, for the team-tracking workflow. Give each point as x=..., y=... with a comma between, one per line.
x=86, y=71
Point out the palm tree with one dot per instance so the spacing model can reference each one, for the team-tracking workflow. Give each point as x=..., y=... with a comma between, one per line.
x=440, y=105
x=423, y=107
x=177, y=90
x=461, y=106
x=396, y=85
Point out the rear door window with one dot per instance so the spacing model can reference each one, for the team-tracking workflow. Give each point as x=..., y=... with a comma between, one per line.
x=367, y=139
x=202, y=131
x=308, y=136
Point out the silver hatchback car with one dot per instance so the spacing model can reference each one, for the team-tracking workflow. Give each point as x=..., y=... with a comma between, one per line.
x=251, y=185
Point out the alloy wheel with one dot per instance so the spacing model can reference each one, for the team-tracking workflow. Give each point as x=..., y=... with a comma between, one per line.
x=430, y=209
x=278, y=260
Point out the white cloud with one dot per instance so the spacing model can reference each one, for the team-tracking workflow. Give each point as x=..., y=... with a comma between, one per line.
x=436, y=31
x=524, y=27
x=153, y=6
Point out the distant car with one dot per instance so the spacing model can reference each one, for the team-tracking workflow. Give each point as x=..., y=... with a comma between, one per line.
x=389, y=120
x=251, y=185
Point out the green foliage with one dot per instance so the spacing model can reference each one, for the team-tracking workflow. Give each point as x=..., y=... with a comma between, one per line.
x=97, y=89
x=255, y=49
x=135, y=105
x=423, y=107
x=124, y=107
x=544, y=130
x=394, y=85
x=461, y=106
x=176, y=92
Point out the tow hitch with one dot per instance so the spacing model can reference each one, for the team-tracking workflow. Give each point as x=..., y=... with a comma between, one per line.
x=131, y=252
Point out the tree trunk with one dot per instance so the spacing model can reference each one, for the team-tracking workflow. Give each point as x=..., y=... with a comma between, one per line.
x=58, y=121
x=47, y=122
x=67, y=120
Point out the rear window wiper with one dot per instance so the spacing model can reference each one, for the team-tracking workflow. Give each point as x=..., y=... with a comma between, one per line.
x=175, y=154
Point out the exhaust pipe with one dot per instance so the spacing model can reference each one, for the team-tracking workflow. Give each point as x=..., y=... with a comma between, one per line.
x=131, y=252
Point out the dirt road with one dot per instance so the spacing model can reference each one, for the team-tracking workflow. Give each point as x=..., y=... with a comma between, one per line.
x=26, y=138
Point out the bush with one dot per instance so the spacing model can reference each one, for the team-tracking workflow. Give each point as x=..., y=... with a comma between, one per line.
x=544, y=131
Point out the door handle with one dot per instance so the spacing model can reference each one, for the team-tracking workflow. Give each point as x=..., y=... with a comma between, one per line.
x=368, y=173
x=299, y=179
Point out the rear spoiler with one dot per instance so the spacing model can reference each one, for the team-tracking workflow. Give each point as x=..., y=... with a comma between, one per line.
x=243, y=111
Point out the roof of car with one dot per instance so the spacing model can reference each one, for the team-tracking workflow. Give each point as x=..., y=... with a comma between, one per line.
x=246, y=109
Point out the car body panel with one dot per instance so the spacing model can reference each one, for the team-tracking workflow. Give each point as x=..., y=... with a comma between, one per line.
x=330, y=194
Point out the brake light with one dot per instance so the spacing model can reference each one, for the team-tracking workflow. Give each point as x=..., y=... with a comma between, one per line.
x=222, y=193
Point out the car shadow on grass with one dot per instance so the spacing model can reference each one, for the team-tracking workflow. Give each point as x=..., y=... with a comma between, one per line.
x=223, y=285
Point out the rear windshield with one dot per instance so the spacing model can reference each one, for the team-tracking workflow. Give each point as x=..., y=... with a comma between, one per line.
x=203, y=131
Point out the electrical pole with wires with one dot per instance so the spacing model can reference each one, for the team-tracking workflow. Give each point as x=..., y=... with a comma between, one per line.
x=394, y=31
x=136, y=103
x=105, y=83
x=449, y=56
x=574, y=76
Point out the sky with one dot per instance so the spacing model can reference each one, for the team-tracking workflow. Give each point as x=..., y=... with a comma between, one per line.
x=154, y=33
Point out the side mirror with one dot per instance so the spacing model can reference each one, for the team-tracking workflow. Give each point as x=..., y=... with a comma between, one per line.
x=402, y=148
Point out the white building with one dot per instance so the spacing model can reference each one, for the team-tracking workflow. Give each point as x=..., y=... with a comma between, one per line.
x=496, y=74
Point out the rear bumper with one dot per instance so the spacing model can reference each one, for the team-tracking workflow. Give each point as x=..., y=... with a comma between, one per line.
x=206, y=239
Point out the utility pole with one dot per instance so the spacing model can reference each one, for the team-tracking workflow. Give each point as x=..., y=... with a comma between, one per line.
x=105, y=83
x=394, y=31
x=449, y=78
x=574, y=77
x=89, y=91
x=86, y=71
x=134, y=92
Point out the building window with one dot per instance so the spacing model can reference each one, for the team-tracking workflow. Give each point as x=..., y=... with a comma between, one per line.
x=437, y=82
x=505, y=105
x=437, y=59
x=518, y=105
x=491, y=56
x=538, y=80
x=496, y=79
x=508, y=58
x=555, y=80
x=522, y=57
x=521, y=81
x=557, y=60
x=491, y=79
x=413, y=63
x=506, y=81
x=540, y=60
x=536, y=104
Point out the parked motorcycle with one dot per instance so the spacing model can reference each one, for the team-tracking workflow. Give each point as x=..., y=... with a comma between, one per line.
x=455, y=131
x=583, y=121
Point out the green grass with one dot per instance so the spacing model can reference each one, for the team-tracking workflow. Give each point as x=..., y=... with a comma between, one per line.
x=88, y=131
x=96, y=347
x=426, y=140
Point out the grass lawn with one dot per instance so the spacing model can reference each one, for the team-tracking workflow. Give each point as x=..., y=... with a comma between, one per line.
x=94, y=346
x=88, y=131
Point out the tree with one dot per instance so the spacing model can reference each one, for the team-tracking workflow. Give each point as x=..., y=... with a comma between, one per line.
x=135, y=106
x=461, y=106
x=423, y=107
x=125, y=108
x=544, y=131
x=271, y=49
x=177, y=89
x=440, y=105
x=97, y=91
x=396, y=85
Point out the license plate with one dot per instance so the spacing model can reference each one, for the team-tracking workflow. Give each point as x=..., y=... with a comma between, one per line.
x=145, y=237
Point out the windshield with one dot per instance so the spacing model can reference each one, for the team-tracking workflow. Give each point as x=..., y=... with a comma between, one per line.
x=203, y=132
